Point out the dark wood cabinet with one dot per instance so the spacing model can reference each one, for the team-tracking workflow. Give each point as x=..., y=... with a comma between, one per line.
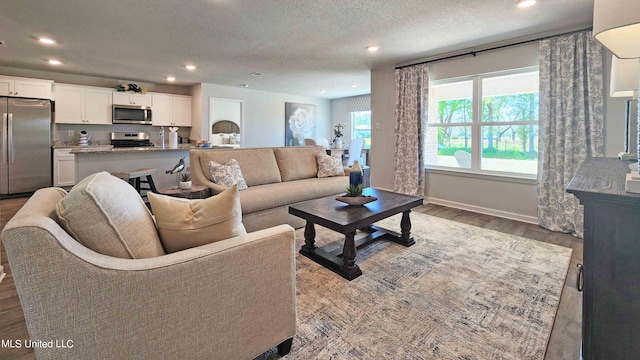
x=611, y=255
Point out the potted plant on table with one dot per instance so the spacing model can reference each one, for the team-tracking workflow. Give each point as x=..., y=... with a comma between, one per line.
x=337, y=132
x=185, y=181
x=354, y=196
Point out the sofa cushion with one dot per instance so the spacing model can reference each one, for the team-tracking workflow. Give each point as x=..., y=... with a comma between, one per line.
x=108, y=216
x=258, y=166
x=329, y=166
x=269, y=196
x=297, y=162
x=184, y=223
x=228, y=174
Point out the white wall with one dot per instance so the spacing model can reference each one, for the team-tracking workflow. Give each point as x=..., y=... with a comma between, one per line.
x=340, y=114
x=263, y=113
x=512, y=199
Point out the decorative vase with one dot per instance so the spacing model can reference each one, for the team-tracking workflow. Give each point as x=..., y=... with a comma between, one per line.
x=185, y=185
x=355, y=174
x=337, y=143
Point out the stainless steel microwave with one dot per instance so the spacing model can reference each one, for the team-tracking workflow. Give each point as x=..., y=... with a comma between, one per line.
x=131, y=114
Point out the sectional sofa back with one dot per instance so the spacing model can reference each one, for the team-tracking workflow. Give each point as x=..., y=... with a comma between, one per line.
x=261, y=165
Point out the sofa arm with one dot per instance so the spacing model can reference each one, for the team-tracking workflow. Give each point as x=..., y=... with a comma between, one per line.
x=230, y=299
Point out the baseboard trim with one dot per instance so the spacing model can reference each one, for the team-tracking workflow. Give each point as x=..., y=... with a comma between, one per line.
x=484, y=210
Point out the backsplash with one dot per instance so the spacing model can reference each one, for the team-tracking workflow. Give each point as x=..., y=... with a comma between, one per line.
x=68, y=134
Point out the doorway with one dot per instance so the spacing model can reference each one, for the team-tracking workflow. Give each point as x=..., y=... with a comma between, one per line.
x=227, y=110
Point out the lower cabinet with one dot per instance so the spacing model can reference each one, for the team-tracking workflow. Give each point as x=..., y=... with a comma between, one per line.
x=609, y=278
x=64, y=167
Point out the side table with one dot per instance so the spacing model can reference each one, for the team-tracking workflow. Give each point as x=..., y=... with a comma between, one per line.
x=196, y=192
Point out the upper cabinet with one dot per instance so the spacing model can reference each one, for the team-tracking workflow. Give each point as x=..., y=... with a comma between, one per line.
x=125, y=98
x=171, y=110
x=25, y=87
x=77, y=104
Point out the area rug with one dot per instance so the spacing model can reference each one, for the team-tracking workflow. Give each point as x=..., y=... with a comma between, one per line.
x=461, y=292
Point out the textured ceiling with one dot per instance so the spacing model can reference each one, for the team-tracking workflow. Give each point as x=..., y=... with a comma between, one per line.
x=301, y=46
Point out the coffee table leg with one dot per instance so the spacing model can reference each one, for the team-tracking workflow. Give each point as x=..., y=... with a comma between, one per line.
x=309, y=237
x=349, y=256
x=405, y=226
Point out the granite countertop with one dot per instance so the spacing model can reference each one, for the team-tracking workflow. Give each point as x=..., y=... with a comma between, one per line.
x=109, y=150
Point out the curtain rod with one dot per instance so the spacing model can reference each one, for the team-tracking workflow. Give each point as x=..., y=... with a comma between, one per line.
x=474, y=53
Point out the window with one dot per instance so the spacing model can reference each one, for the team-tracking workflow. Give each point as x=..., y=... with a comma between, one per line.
x=495, y=131
x=361, y=126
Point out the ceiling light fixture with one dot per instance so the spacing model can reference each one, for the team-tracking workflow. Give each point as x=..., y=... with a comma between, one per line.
x=354, y=85
x=171, y=78
x=525, y=3
x=256, y=73
x=323, y=91
x=47, y=41
x=190, y=67
x=244, y=85
x=372, y=48
x=54, y=62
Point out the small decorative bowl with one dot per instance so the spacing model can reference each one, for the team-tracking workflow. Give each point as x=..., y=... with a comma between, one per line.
x=356, y=200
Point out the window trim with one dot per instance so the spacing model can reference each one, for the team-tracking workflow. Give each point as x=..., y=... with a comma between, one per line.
x=353, y=126
x=477, y=124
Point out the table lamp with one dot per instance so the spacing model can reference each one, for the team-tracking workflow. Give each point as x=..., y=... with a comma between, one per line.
x=616, y=25
x=624, y=75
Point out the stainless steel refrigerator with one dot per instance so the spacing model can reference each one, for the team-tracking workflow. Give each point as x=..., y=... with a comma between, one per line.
x=25, y=145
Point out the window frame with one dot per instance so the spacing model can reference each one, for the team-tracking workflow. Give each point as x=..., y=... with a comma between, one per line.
x=477, y=124
x=353, y=127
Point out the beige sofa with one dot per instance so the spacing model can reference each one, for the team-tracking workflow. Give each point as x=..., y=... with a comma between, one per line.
x=277, y=177
x=231, y=299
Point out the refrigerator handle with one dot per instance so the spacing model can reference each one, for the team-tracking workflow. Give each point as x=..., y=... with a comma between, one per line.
x=4, y=138
x=10, y=140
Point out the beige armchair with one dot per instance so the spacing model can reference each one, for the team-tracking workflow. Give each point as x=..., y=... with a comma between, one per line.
x=232, y=299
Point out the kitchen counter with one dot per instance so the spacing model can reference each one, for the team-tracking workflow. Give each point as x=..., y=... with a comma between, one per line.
x=91, y=160
x=111, y=150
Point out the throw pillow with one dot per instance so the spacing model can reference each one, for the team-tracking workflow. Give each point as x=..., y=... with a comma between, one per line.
x=107, y=215
x=329, y=166
x=184, y=223
x=228, y=174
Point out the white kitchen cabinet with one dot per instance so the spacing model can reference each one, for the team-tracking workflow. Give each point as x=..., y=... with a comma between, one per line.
x=125, y=98
x=171, y=110
x=64, y=167
x=25, y=87
x=76, y=104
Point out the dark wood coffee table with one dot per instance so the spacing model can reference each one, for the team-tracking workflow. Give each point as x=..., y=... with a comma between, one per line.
x=345, y=219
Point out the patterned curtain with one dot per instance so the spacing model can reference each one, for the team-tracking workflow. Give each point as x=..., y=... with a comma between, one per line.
x=412, y=90
x=571, y=124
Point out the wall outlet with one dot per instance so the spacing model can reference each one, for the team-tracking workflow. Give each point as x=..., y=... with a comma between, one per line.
x=70, y=133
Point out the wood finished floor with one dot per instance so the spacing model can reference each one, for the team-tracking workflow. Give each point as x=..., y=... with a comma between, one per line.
x=565, y=336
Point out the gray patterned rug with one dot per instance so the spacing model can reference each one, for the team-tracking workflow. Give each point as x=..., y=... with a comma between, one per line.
x=461, y=292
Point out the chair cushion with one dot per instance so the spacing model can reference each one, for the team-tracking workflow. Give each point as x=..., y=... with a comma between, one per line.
x=297, y=162
x=184, y=223
x=228, y=174
x=329, y=166
x=108, y=216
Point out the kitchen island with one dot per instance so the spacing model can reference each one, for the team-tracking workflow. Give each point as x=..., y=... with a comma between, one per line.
x=91, y=160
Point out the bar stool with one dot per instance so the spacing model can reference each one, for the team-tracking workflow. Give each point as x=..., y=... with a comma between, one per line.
x=138, y=177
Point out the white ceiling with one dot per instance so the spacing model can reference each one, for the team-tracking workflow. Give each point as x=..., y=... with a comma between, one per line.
x=301, y=46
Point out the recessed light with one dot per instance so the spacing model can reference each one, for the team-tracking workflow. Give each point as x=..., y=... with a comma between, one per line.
x=256, y=73
x=47, y=41
x=171, y=78
x=244, y=85
x=372, y=48
x=525, y=3
x=190, y=67
x=323, y=91
x=54, y=62
x=354, y=85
